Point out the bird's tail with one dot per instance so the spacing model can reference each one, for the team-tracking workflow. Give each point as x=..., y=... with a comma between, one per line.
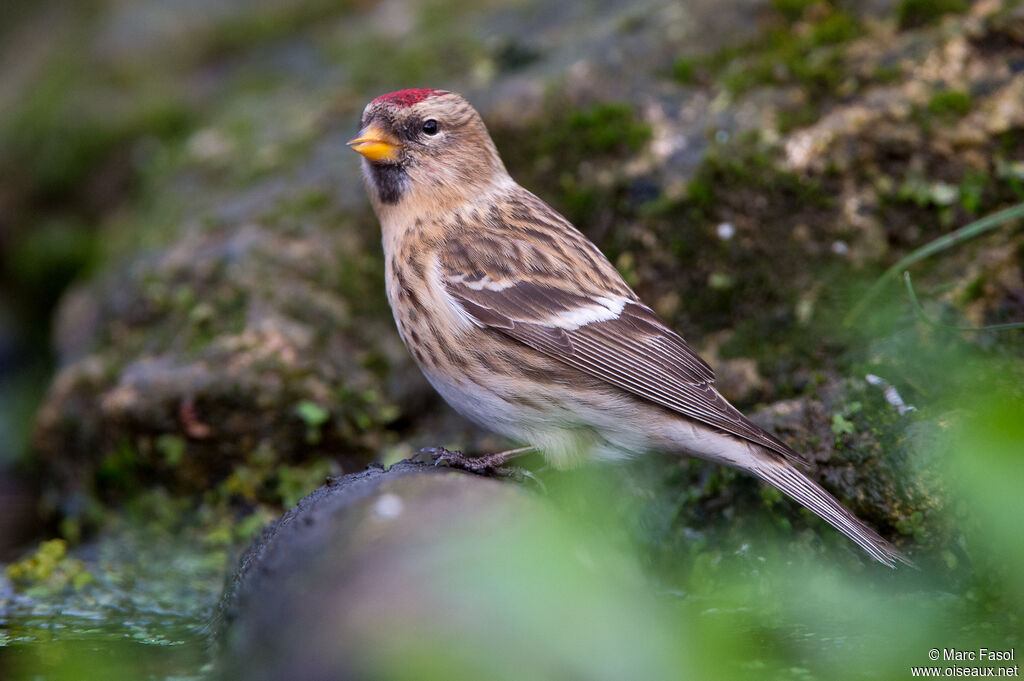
x=781, y=474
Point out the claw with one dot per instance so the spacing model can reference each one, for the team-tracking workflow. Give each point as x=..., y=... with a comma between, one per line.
x=431, y=454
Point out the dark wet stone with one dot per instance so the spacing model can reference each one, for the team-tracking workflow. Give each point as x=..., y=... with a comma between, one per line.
x=312, y=597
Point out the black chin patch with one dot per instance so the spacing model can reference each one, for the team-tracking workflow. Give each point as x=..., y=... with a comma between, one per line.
x=390, y=181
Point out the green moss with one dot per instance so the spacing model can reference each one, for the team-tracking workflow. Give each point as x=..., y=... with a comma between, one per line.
x=841, y=426
x=295, y=482
x=837, y=27
x=685, y=70
x=926, y=194
x=157, y=510
x=914, y=526
x=791, y=119
x=737, y=282
x=721, y=281
x=704, y=68
x=601, y=129
x=49, y=570
x=245, y=482
x=118, y=466
x=221, y=311
x=593, y=133
x=172, y=447
x=749, y=164
x=771, y=495
x=560, y=157
x=793, y=10
x=950, y=103
x=249, y=526
x=886, y=73
x=781, y=56
x=44, y=260
x=972, y=190
x=974, y=290
x=843, y=421
x=916, y=13
x=314, y=416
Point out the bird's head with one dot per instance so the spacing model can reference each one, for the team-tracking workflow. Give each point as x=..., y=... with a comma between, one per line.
x=427, y=148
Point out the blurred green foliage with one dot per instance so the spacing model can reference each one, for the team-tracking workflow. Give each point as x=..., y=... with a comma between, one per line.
x=314, y=416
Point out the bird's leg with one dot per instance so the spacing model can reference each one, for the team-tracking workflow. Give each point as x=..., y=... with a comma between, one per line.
x=488, y=463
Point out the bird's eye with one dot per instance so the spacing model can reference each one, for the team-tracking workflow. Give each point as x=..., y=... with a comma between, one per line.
x=430, y=127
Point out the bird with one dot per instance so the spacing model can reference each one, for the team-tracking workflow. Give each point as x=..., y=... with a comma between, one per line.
x=524, y=327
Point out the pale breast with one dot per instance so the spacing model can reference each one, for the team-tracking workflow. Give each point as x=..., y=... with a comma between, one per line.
x=489, y=377
x=422, y=311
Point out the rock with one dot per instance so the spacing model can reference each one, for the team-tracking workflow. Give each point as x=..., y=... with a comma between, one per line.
x=18, y=519
x=217, y=340
x=422, y=572
x=1009, y=23
x=875, y=459
x=353, y=568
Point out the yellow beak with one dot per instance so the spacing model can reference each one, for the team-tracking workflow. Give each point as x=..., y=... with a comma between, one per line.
x=376, y=144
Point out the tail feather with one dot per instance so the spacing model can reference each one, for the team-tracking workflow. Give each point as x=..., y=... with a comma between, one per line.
x=809, y=493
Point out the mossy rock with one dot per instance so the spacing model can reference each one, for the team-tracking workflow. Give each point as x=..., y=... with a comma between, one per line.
x=213, y=354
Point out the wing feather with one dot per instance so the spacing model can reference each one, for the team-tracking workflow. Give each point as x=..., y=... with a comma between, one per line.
x=595, y=324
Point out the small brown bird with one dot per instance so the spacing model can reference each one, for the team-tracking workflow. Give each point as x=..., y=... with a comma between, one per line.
x=524, y=326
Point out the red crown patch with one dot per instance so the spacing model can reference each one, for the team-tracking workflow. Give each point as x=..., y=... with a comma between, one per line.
x=404, y=98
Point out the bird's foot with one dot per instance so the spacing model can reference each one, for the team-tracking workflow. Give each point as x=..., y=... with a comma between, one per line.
x=488, y=464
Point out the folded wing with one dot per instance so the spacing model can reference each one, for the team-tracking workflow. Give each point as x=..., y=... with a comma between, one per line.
x=598, y=327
